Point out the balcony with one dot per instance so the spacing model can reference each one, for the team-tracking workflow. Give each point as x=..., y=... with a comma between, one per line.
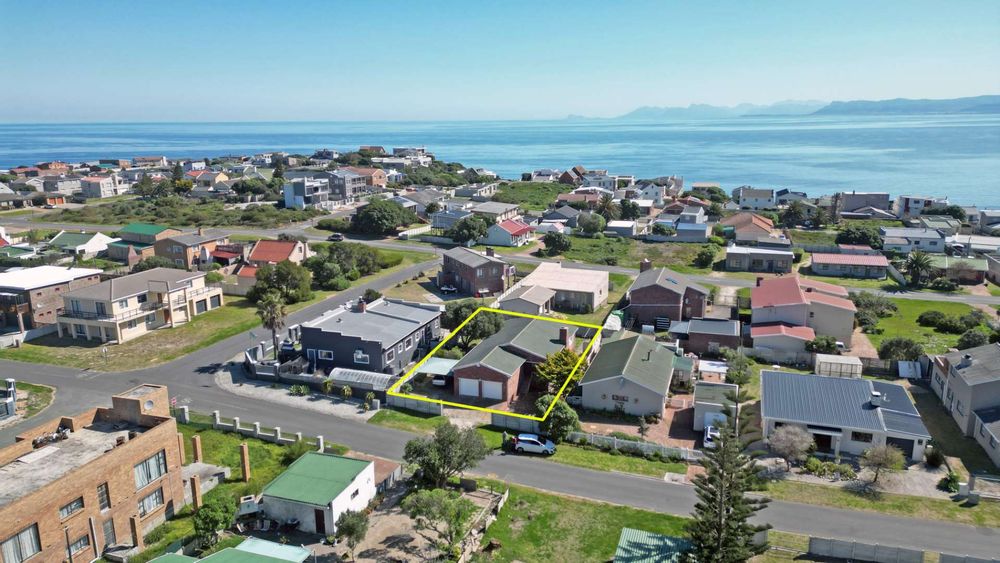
x=140, y=311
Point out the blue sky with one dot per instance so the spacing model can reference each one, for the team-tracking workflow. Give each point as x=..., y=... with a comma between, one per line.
x=69, y=61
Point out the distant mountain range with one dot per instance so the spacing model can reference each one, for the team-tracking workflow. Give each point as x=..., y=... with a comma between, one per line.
x=898, y=106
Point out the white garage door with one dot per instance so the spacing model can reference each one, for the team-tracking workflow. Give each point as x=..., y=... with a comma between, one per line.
x=492, y=390
x=468, y=387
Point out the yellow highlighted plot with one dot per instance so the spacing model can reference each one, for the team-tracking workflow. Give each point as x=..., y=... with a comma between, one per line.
x=392, y=390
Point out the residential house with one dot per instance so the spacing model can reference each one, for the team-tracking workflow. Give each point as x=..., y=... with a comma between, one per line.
x=908, y=206
x=754, y=198
x=348, y=187
x=800, y=302
x=707, y=335
x=496, y=211
x=704, y=189
x=565, y=214
x=959, y=269
x=650, y=190
x=968, y=384
x=844, y=415
x=190, y=250
x=114, y=163
x=573, y=176
x=150, y=162
x=74, y=485
x=599, y=180
x=308, y=193
x=475, y=273
x=84, y=245
x=529, y=299
x=121, y=309
x=907, y=239
x=745, y=227
x=659, y=296
x=62, y=184
x=423, y=198
x=376, y=150
x=989, y=221
x=576, y=289
x=410, y=151
x=495, y=368
x=622, y=228
x=446, y=219
x=855, y=202
x=32, y=297
x=510, y=232
x=781, y=337
x=382, y=336
x=589, y=200
x=207, y=178
x=544, y=175
x=485, y=173
x=868, y=266
x=758, y=259
x=192, y=165
x=944, y=223
x=98, y=187
x=316, y=489
x=714, y=399
x=374, y=177
x=630, y=375
x=135, y=242
x=692, y=225
x=482, y=191
x=785, y=196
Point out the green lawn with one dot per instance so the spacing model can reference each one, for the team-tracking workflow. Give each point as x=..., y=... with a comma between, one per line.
x=947, y=435
x=604, y=461
x=535, y=196
x=410, y=421
x=39, y=397
x=904, y=323
x=802, y=236
x=985, y=514
x=994, y=289
x=537, y=526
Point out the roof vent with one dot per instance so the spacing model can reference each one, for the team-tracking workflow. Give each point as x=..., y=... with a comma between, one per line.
x=966, y=361
x=876, y=399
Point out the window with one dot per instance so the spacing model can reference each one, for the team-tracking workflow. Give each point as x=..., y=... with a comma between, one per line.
x=325, y=354
x=80, y=330
x=151, y=318
x=21, y=546
x=142, y=298
x=958, y=407
x=479, y=273
x=100, y=308
x=354, y=494
x=399, y=348
x=993, y=442
x=123, y=303
x=982, y=429
x=409, y=342
x=71, y=508
x=80, y=544
x=178, y=261
x=360, y=357
x=865, y=437
x=390, y=355
x=150, y=502
x=130, y=324
x=110, y=538
x=151, y=470
x=103, y=497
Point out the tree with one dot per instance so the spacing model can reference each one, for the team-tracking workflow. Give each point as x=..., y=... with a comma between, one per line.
x=153, y=262
x=271, y=310
x=556, y=243
x=822, y=344
x=481, y=326
x=607, y=208
x=972, y=338
x=216, y=514
x=352, y=526
x=432, y=208
x=561, y=420
x=182, y=187
x=279, y=167
x=791, y=443
x=794, y=214
x=346, y=392
x=738, y=369
x=821, y=217
x=663, y=230
x=630, y=210
x=450, y=451
x=706, y=256
x=444, y=512
x=292, y=281
x=469, y=229
x=858, y=234
x=900, y=348
x=591, y=223
x=917, y=265
x=954, y=211
x=557, y=367
x=715, y=210
x=177, y=174
x=882, y=459
x=720, y=531
x=370, y=295
x=381, y=217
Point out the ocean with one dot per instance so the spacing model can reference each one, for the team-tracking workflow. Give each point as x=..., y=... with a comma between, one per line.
x=953, y=155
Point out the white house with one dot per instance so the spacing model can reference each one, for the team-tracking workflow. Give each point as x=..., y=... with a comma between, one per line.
x=907, y=239
x=912, y=205
x=86, y=245
x=754, y=198
x=508, y=233
x=317, y=488
x=602, y=181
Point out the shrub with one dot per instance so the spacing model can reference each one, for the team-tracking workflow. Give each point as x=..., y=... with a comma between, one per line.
x=930, y=318
x=298, y=390
x=813, y=465
x=949, y=482
x=951, y=324
x=624, y=436
x=614, y=451
x=611, y=260
x=934, y=458
x=847, y=472
x=797, y=255
x=971, y=339
x=867, y=319
x=943, y=284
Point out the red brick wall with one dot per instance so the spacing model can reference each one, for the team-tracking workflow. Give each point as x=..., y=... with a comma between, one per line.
x=46, y=301
x=661, y=302
x=487, y=374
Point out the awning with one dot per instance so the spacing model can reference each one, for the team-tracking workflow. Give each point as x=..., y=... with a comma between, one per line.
x=224, y=254
x=437, y=366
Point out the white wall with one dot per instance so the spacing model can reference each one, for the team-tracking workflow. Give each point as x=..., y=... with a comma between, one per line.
x=364, y=484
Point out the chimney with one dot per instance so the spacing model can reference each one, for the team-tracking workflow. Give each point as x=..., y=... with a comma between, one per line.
x=566, y=337
x=876, y=399
x=965, y=362
x=645, y=265
x=760, y=280
x=490, y=252
x=362, y=306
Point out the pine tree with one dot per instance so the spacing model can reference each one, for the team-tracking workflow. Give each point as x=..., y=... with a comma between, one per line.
x=721, y=531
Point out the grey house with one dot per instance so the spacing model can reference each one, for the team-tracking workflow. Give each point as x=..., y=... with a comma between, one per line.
x=567, y=214
x=384, y=335
x=968, y=384
x=631, y=375
x=844, y=415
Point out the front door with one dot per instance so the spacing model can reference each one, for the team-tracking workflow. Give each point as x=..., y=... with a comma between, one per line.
x=824, y=443
x=320, y=521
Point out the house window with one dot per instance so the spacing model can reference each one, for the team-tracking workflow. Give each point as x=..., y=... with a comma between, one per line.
x=130, y=324
x=100, y=308
x=110, y=537
x=409, y=342
x=178, y=261
x=21, y=546
x=479, y=273
x=79, y=545
x=390, y=355
x=354, y=494
x=958, y=407
x=151, y=318
x=360, y=357
x=123, y=304
x=993, y=443
x=865, y=437
x=325, y=354
x=399, y=348
x=811, y=314
x=80, y=330
x=142, y=298
x=150, y=470
x=150, y=502
x=982, y=429
x=71, y=508
x=103, y=498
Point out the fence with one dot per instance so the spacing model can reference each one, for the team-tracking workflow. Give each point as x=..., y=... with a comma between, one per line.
x=414, y=405
x=513, y=423
x=496, y=303
x=857, y=551
x=896, y=276
x=17, y=338
x=414, y=231
x=274, y=435
x=948, y=558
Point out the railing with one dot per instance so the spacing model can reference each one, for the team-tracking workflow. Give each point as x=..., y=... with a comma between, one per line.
x=209, y=288
x=143, y=309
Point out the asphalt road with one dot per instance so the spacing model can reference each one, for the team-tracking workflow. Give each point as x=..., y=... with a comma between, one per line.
x=191, y=381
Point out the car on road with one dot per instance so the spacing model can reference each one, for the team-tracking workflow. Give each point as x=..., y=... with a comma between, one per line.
x=533, y=444
x=50, y=206
x=335, y=237
x=448, y=289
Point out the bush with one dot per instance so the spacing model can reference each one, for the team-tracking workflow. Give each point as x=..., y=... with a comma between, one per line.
x=624, y=436
x=943, y=284
x=867, y=319
x=298, y=390
x=797, y=255
x=972, y=339
x=813, y=465
x=847, y=472
x=951, y=324
x=931, y=318
x=934, y=458
x=949, y=482
x=335, y=225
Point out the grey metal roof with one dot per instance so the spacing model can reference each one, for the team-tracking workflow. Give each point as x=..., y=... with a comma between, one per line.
x=135, y=284
x=531, y=293
x=385, y=320
x=191, y=239
x=494, y=207
x=471, y=258
x=564, y=211
x=425, y=197
x=666, y=278
x=637, y=358
x=982, y=366
x=910, y=233
x=720, y=327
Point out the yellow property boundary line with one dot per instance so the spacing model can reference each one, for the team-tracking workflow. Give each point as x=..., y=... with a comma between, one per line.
x=392, y=390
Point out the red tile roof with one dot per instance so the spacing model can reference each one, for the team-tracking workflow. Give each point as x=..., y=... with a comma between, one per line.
x=224, y=254
x=363, y=171
x=272, y=250
x=247, y=272
x=197, y=173
x=781, y=329
x=792, y=290
x=838, y=302
x=828, y=288
x=851, y=259
x=515, y=228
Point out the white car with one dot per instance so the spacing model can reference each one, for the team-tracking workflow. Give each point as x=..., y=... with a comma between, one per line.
x=533, y=444
x=712, y=436
x=448, y=289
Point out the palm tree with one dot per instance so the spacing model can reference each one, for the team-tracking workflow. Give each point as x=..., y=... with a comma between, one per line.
x=271, y=310
x=607, y=208
x=918, y=264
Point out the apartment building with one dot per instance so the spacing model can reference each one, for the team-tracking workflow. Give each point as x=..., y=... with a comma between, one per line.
x=307, y=193
x=97, y=187
x=347, y=186
x=128, y=307
x=73, y=486
x=32, y=297
x=908, y=206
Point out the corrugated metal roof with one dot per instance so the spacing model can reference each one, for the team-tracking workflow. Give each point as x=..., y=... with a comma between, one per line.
x=640, y=546
x=819, y=400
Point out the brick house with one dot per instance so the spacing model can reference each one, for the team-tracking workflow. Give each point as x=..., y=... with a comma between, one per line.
x=135, y=242
x=192, y=249
x=658, y=294
x=104, y=477
x=475, y=273
x=373, y=176
x=32, y=297
x=706, y=335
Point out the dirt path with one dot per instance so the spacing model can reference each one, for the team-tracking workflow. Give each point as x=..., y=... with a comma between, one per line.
x=861, y=346
x=980, y=289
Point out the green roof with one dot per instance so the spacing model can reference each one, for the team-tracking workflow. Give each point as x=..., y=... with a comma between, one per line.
x=143, y=229
x=684, y=363
x=173, y=558
x=14, y=251
x=67, y=239
x=126, y=244
x=500, y=351
x=944, y=262
x=315, y=478
x=233, y=555
x=640, y=546
x=638, y=358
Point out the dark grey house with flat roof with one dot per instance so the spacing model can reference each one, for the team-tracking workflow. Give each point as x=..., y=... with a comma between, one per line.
x=384, y=335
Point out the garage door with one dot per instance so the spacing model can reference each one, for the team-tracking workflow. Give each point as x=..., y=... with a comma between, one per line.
x=906, y=446
x=468, y=387
x=492, y=390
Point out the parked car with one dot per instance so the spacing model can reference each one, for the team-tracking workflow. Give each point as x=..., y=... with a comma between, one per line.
x=448, y=289
x=335, y=237
x=533, y=444
x=712, y=436
x=440, y=381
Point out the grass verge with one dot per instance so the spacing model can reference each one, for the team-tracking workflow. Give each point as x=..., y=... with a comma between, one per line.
x=904, y=323
x=39, y=397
